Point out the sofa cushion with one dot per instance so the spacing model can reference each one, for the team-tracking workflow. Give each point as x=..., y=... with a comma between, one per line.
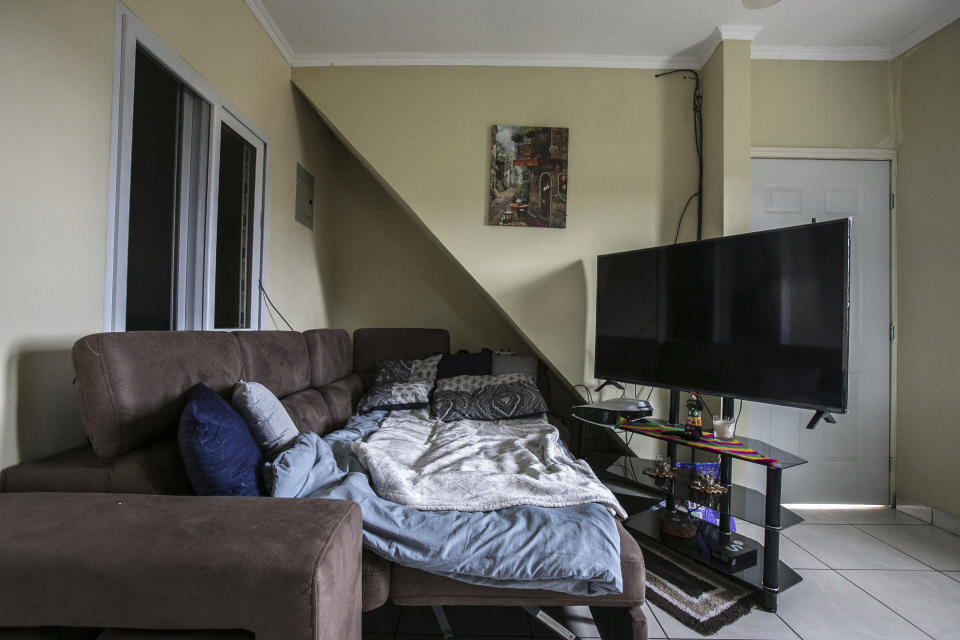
x=269, y=423
x=168, y=562
x=276, y=359
x=219, y=454
x=132, y=385
x=342, y=397
x=152, y=468
x=330, y=355
x=376, y=581
x=413, y=587
x=308, y=410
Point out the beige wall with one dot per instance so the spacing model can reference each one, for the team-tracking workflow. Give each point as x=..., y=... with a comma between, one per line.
x=712, y=78
x=736, y=136
x=631, y=167
x=56, y=65
x=928, y=227
x=727, y=121
x=389, y=273
x=798, y=103
x=56, y=68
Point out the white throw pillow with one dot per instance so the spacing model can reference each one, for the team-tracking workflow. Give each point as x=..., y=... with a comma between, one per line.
x=269, y=423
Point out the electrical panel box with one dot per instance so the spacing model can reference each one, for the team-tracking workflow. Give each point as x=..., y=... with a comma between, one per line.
x=304, y=209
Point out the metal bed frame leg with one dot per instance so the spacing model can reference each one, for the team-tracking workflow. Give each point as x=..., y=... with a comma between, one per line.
x=536, y=612
x=554, y=626
x=445, y=630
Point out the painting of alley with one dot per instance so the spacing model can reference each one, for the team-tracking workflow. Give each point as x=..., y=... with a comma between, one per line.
x=528, y=176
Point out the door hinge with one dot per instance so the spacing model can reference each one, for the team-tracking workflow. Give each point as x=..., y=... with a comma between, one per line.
x=890, y=464
x=893, y=332
x=893, y=201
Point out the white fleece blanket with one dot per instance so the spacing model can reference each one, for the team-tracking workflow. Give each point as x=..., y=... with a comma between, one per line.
x=474, y=465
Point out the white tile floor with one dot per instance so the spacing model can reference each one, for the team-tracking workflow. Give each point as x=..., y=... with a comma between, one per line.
x=867, y=574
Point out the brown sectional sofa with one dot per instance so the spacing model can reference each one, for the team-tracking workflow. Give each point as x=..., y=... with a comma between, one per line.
x=131, y=388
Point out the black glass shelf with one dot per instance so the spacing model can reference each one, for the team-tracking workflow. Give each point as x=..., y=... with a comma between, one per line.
x=646, y=526
x=745, y=503
x=784, y=459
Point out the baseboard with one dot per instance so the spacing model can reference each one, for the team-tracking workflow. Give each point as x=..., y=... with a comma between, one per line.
x=946, y=521
x=936, y=517
x=918, y=511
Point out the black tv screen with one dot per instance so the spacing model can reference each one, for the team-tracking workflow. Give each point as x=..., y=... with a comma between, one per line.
x=760, y=316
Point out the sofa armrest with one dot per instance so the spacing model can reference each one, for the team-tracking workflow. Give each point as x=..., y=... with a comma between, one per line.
x=279, y=568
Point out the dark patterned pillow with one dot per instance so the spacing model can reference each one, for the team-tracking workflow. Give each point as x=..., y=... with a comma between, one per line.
x=395, y=395
x=513, y=395
x=424, y=370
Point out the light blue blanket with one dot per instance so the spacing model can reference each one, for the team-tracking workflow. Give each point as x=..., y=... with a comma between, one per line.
x=574, y=550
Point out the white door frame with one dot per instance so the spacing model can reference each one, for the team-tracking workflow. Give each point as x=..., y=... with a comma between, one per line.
x=887, y=155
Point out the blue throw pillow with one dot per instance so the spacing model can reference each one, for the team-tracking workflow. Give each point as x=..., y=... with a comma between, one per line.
x=218, y=451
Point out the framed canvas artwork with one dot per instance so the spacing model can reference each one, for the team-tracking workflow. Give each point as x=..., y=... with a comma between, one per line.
x=528, y=176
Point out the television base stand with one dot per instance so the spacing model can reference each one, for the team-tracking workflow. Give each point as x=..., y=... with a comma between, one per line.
x=767, y=573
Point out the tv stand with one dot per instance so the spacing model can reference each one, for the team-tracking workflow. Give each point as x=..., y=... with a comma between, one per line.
x=817, y=416
x=767, y=573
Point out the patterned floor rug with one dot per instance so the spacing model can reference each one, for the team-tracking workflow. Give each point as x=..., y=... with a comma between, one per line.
x=697, y=597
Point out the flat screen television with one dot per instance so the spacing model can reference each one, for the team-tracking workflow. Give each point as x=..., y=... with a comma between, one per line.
x=761, y=316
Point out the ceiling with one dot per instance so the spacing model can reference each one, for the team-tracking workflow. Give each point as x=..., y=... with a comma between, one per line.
x=606, y=33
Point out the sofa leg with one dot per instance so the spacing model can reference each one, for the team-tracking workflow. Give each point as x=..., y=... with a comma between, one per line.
x=445, y=629
x=548, y=620
x=619, y=623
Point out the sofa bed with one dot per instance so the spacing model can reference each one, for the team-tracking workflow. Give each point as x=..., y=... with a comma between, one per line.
x=131, y=389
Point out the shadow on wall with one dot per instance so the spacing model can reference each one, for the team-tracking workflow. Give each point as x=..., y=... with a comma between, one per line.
x=40, y=386
x=557, y=300
x=323, y=162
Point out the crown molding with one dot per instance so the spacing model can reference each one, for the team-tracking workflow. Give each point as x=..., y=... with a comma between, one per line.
x=272, y=28
x=722, y=32
x=725, y=32
x=739, y=31
x=392, y=59
x=925, y=32
x=820, y=53
x=708, y=47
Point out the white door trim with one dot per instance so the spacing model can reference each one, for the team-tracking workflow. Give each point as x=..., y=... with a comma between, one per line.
x=887, y=155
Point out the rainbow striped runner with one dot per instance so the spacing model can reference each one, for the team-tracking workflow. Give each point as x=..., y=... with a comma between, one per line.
x=707, y=442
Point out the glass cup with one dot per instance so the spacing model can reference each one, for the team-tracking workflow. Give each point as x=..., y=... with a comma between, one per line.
x=662, y=465
x=723, y=428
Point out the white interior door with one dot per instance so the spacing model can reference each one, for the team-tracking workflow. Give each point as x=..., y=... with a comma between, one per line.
x=848, y=461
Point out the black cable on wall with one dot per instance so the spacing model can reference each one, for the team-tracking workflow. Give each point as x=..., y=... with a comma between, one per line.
x=698, y=143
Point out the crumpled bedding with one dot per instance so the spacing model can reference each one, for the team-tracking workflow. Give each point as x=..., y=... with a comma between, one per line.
x=477, y=465
x=573, y=549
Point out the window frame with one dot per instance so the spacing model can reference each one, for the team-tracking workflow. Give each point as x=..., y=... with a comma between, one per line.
x=131, y=33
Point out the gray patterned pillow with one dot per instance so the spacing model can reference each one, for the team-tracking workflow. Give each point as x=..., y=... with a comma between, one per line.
x=513, y=395
x=424, y=370
x=269, y=423
x=395, y=395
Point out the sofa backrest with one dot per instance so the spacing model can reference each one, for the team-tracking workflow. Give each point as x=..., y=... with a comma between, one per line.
x=132, y=385
x=371, y=345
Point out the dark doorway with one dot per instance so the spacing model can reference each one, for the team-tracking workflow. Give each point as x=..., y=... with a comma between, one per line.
x=546, y=195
